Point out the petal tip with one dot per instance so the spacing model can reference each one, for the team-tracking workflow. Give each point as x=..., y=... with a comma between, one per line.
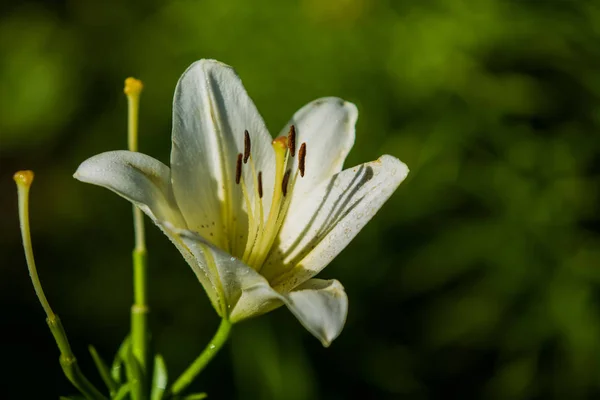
x=205, y=64
x=83, y=169
x=352, y=107
x=336, y=102
x=397, y=167
x=321, y=306
x=328, y=337
x=80, y=172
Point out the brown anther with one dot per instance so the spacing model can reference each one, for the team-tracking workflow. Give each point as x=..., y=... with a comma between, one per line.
x=284, y=182
x=291, y=140
x=238, y=169
x=302, y=159
x=246, y=146
x=260, y=192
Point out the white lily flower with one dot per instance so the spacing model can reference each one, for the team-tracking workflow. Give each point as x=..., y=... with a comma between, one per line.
x=255, y=218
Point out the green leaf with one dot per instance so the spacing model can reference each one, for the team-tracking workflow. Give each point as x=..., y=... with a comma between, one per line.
x=135, y=376
x=159, y=378
x=117, y=364
x=103, y=370
x=195, y=396
x=122, y=392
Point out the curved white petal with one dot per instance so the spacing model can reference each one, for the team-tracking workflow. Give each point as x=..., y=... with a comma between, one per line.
x=206, y=279
x=319, y=226
x=211, y=111
x=321, y=306
x=244, y=293
x=327, y=125
x=138, y=178
x=146, y=183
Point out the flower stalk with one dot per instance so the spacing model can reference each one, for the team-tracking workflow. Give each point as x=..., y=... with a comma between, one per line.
x=67, y=359
x=203, y=359
x=139, y=310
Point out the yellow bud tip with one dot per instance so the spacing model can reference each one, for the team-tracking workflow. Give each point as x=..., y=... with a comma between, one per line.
x=133, y=86
x=23, y=178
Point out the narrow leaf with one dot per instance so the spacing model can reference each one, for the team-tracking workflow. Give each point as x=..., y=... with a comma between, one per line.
x=159, y=378
x=103, y=370
x=135, y=376
x=122, y=392
x=195, y=396
x=117, y=365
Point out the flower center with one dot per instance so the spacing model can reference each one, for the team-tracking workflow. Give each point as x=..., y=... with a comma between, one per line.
x=263, y=231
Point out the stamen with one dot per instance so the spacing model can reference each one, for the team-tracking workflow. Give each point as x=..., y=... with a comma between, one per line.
x=284, y=183
x=302, y=159
x=286, y=204
x=252, y=227
x=292, y=140
x=246, y=146
x=254, y=234
x=258, y=188
x=238, y=169
x=280, y=147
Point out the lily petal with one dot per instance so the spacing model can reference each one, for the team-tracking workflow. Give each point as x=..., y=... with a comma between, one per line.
x=146, y=183
x=139, y=178
x=244, y=292
x=327, y=125
x=207, y=280
x=211, y=111
x=321, y=307
x=318, y=227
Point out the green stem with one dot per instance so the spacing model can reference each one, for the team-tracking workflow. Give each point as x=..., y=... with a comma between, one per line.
x=203, y=359
x=68, y=362
x=139, y=310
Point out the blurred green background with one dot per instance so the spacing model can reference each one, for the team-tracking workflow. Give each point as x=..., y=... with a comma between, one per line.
x=480, y=278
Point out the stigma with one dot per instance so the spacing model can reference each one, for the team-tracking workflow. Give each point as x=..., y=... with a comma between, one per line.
x=24, y=178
